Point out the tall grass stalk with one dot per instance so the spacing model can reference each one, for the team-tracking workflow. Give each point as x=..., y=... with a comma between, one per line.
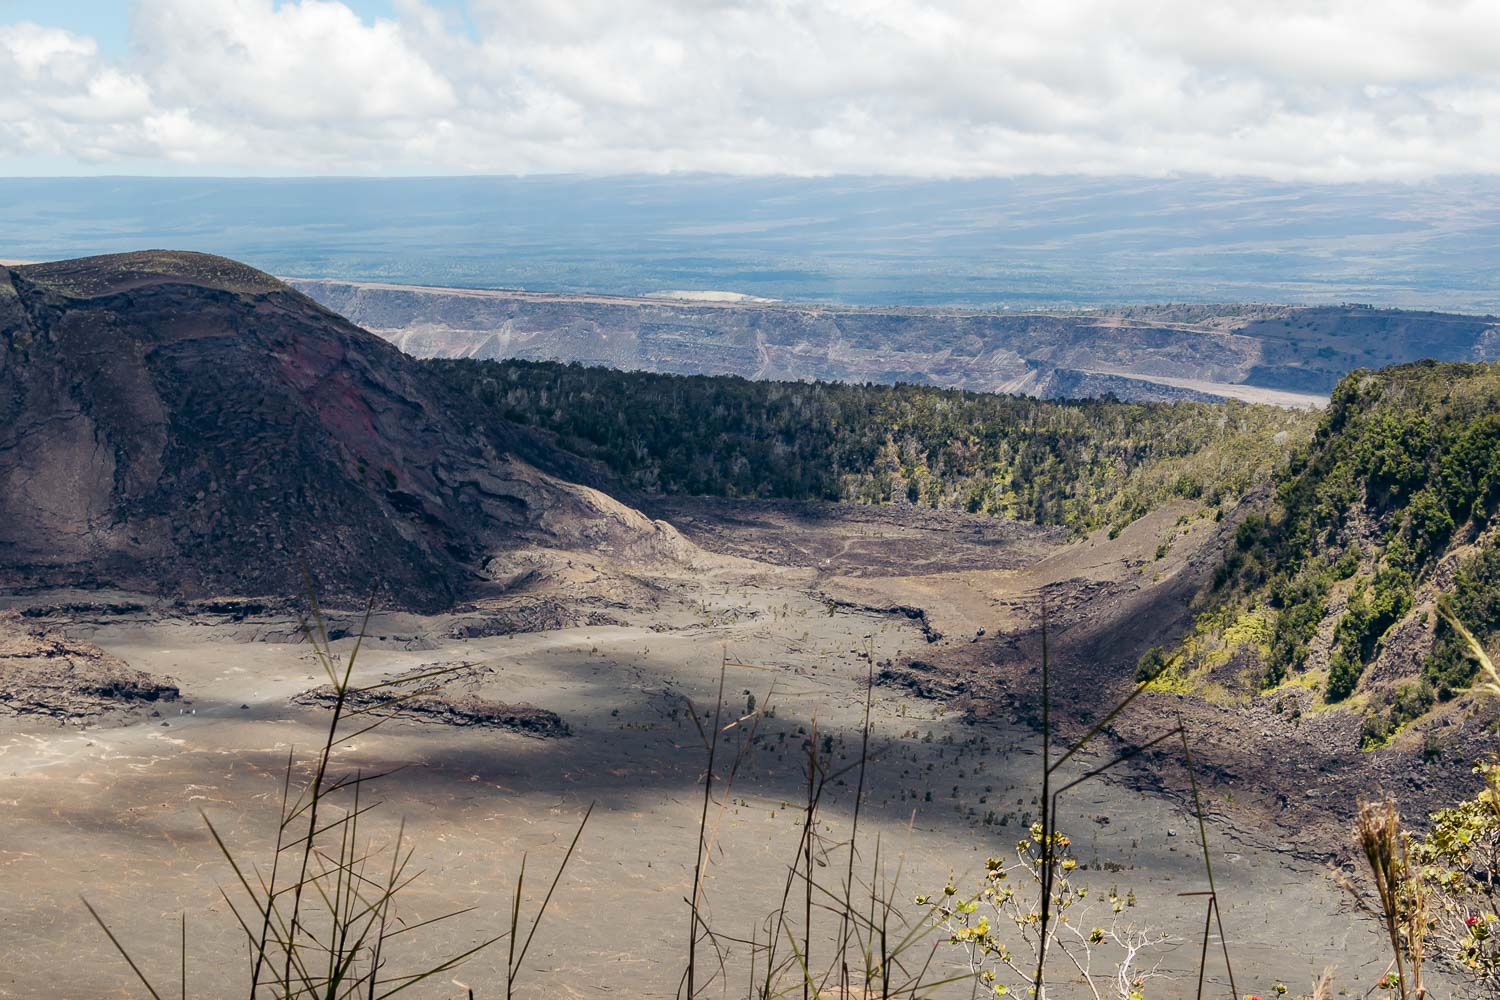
x=1048, y=861
x=857, y=919
x=327, y=931
x=1399, y=899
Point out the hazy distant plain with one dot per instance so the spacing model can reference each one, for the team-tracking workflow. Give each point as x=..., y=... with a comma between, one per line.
x=1018, y=243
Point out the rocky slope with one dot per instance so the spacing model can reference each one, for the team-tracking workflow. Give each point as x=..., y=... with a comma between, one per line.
x=1333, y=593
x=181, y=423
x=1261, y=353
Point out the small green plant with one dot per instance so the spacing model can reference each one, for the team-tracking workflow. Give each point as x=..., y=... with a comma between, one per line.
x=1001, y=930
x=1152, y=662
x=1458, y=863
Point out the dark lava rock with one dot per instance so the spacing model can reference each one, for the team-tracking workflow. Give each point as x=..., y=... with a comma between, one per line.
x=923, y=679
x=450, y=700
x=538, y=615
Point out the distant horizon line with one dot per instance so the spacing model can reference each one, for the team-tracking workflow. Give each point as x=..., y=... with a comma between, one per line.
x=684, y=297
x=719, y=175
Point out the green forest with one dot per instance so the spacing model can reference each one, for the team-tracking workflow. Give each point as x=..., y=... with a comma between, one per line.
x=1397, y=491
x=1077, y=464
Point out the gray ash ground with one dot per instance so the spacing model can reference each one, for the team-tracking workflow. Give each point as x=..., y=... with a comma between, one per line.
x=111, y=811
x=896, y=540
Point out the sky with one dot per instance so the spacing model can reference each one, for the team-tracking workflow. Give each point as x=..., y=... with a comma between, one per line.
x=1289, y=90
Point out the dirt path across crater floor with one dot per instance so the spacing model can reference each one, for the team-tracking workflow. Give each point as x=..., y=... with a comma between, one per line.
x=110, y=811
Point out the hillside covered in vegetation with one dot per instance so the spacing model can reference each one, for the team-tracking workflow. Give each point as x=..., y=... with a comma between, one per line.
x=1392, y=504
x=1082, y=464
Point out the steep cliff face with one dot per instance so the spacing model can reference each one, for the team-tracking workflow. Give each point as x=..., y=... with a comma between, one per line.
x=1040, y=355
x=183, y=423
x=1271, y=353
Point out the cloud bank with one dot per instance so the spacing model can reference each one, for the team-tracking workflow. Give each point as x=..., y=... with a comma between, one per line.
x=1321, y=90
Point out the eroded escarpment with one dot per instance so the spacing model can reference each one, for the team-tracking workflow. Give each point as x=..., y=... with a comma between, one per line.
x=449, y=694
x=1285, y=354
x=44, y=673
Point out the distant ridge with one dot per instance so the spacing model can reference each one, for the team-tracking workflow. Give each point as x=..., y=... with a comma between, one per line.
x=1280, y=354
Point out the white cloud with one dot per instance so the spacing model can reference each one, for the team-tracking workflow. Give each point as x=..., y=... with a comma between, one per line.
x=32, y=51
x=296, y=63
x=1280, y=88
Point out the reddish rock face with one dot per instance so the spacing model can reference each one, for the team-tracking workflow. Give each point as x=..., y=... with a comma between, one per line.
x=182, y=423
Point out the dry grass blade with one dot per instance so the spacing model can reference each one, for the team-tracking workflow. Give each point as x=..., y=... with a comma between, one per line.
x=452, y=963
x=515, y=930
x=1208, y=867
x=1400, y=906
x=556, y=878
x=859, y=795
x=711, y=743
x=517, y=958
x=318, y=789
x=121, y=949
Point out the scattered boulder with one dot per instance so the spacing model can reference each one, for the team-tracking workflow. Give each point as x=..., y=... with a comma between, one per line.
x=923, y=679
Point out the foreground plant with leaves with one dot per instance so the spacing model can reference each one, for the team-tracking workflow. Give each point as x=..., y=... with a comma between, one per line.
x=1001, y=926
x=1458, y=862
x=1437, y=895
